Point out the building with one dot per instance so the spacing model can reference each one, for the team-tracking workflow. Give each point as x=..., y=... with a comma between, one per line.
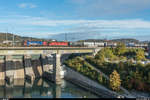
x=149, y=49
x=6, y=42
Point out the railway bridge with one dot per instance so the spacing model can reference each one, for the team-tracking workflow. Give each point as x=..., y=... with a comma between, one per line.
x=23, y=64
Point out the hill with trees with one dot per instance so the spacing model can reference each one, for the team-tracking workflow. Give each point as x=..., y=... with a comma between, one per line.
x=128, y=40
x=9, y=36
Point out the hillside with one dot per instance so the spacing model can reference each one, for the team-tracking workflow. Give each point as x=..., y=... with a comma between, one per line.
x=16, y=37
x=128, y=40
x=114, y=40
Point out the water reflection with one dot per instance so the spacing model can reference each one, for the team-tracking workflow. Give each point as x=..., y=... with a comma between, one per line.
x=41, y=88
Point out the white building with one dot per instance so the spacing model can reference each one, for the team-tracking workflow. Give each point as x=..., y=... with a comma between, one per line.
x=7, y=41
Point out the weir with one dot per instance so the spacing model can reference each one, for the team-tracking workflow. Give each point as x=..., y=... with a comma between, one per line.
x=19, y=69
x=10, y=69
x=29, y=74
x=47, y=62
x=29, y=67
x=37, y=66
x=20, y=63
x=2, y=68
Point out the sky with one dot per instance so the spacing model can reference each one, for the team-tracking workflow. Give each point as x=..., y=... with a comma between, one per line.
x=47, y=18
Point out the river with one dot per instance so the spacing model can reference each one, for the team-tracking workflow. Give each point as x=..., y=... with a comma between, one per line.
x=41, y=88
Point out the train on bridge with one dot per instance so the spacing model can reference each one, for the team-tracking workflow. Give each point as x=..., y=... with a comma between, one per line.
x=72, y=44
x=61, y=43
x=76, y=44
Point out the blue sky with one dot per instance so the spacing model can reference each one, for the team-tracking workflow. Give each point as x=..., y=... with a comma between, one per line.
x=47, y=18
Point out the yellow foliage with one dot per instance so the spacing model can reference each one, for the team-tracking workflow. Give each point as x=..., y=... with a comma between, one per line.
x=115, y=81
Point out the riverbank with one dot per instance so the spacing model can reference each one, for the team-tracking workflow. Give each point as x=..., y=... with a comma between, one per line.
x=89, y=84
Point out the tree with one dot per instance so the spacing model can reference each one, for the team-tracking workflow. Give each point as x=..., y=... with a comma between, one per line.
x=105, y=53
x=115, y=81
x=120, y=49
x=100, y=56
x=140, y=55
x=100, y=78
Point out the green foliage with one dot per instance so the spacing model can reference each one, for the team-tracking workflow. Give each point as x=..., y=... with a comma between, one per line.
x=100, y=78
x=120, y=49
x=83, y=67
x=105, y=53
x=140, y=55
x=136, y=74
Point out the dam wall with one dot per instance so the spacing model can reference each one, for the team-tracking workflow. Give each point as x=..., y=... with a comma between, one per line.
x=2, y=68
x=14, y=67
x=37, y=66
x=19, y=68
x=29, y=74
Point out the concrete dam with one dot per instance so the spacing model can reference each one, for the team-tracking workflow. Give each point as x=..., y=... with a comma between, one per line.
x=24, y=66
x=33, y=62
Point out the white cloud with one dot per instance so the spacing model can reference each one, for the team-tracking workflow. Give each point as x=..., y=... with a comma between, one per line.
x=97, y=24
x=27, y=5
x=40, y=26
x=132, y=24
x=110, y=8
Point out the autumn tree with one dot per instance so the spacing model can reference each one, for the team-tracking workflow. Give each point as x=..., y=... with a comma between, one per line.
x=115, y=81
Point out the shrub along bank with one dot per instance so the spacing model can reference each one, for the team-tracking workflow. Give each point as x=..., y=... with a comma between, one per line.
x=84, y=68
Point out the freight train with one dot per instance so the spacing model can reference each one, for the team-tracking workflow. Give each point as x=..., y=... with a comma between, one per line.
x=61, y=44
x=73, y=44
x=44, y=43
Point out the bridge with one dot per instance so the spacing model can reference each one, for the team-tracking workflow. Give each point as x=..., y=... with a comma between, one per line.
x=23, y=65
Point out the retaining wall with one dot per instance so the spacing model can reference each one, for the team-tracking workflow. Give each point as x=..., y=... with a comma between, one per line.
x=89, y=84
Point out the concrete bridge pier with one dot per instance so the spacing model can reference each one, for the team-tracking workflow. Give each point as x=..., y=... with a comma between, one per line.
x=57, y=91
x=57, y=68
x=29, y=74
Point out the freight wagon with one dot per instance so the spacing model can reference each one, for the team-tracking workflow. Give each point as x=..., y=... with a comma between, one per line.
x=45, y=43
x=58, y=44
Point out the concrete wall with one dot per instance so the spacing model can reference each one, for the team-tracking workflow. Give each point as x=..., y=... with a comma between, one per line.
x=78, y=78
x=47, y=63
x=37, y=67
x=19, y=69
x=2, y=69
x=10, y=68
x=28, y=67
